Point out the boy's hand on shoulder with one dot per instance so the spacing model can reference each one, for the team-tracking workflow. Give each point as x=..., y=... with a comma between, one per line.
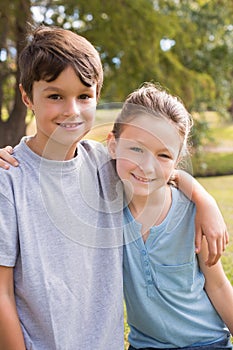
x=6, y=158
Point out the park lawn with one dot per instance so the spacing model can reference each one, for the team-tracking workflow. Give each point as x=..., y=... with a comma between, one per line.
x=222, y=135
x=221, y=188
x=212, y=163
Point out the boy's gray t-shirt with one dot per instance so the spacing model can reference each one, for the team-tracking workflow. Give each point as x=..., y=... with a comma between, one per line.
x=61, y=230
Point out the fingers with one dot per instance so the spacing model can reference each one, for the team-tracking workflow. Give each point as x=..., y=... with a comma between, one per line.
x=215, y=252
x=9, y=149
x=198, y=240
x=226, y=238
x=216, y=246
x=6, y=159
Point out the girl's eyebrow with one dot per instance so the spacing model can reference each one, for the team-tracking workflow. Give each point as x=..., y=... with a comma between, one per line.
x=161, y=150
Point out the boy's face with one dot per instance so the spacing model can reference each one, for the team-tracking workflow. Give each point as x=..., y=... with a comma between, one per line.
x=146, y=154
x=64, y=110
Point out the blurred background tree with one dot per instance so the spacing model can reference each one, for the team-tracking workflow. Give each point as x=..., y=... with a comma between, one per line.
x=185, y=45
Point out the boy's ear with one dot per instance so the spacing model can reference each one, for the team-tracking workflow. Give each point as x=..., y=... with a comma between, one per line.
x=26, y=100
x=111, y=143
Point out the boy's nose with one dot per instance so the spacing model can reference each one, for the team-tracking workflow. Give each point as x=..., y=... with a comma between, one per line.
x=71, y=109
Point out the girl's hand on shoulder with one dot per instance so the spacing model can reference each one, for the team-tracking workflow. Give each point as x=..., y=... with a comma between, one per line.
x=210, y=223
x=6, y=158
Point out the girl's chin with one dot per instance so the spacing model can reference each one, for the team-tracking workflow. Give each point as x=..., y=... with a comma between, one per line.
x=132, y=190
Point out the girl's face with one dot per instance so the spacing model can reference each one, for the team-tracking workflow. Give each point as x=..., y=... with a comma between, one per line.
x=146, y=154
x=64, y=110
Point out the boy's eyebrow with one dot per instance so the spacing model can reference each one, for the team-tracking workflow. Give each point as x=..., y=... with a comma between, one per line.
x=54, y=88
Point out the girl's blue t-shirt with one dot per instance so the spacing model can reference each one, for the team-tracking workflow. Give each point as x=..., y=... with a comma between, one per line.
x=167, y=306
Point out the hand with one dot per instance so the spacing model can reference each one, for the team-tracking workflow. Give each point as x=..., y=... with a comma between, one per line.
x=6, y=158
x=209, y=222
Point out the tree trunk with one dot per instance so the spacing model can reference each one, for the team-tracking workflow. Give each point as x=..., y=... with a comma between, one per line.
x=14, y=128
x=230, y=109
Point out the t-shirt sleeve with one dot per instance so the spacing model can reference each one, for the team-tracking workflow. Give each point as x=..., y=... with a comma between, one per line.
x=9, y=247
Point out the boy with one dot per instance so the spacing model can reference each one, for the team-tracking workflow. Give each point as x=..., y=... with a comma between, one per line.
x=60, y=255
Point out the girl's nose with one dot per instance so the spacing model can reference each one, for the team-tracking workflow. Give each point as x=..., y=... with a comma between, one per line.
x=148, y=163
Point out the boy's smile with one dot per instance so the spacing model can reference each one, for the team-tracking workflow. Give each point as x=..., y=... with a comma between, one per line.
x=64, y=110
x=70, y=125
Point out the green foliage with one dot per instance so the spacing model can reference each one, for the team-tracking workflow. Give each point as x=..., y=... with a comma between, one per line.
x=128, y=34
x=203, y=45
x=197, y=93
x=200, y=133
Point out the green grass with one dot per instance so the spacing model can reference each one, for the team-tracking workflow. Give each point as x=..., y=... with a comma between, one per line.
x=216, y=155
x=222, y=190
x=223, y=134
x=212, y=163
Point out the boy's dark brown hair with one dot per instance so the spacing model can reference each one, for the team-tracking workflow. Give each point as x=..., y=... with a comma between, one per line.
x=50, y=50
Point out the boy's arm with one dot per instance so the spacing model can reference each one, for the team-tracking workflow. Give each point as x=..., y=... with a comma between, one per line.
x=218, y=287
x=209, y=220
x=11, y=336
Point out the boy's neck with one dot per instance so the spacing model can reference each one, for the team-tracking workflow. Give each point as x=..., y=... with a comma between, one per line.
x=52, y=150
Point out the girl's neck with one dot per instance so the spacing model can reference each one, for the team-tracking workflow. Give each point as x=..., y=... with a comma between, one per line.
x=151, y=211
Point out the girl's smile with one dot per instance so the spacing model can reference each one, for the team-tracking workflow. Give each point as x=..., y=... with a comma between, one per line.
x=146, y=154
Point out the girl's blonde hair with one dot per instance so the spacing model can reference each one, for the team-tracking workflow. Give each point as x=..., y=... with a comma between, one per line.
x=155, y=101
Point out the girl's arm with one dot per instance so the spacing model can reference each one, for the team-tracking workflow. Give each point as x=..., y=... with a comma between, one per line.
x=209, y=220
x=11, y=336
x=217, y=287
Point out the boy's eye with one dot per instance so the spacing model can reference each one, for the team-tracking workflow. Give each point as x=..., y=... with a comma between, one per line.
x=55, y=97
x=84, y=97
x=136, y=149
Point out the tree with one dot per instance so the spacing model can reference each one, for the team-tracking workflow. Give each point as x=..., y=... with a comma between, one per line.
x=14, y=16
x=121, y=31
x=204, y=46
x=196, y=64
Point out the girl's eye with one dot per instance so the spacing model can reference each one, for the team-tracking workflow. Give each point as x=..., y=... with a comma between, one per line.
x=136, y=149
x=164, y=155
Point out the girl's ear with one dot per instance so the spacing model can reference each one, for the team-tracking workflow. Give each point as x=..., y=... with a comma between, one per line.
x=26, y=100
x=111, y=143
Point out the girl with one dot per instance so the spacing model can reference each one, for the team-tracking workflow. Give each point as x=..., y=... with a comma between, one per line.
x=173, y=299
